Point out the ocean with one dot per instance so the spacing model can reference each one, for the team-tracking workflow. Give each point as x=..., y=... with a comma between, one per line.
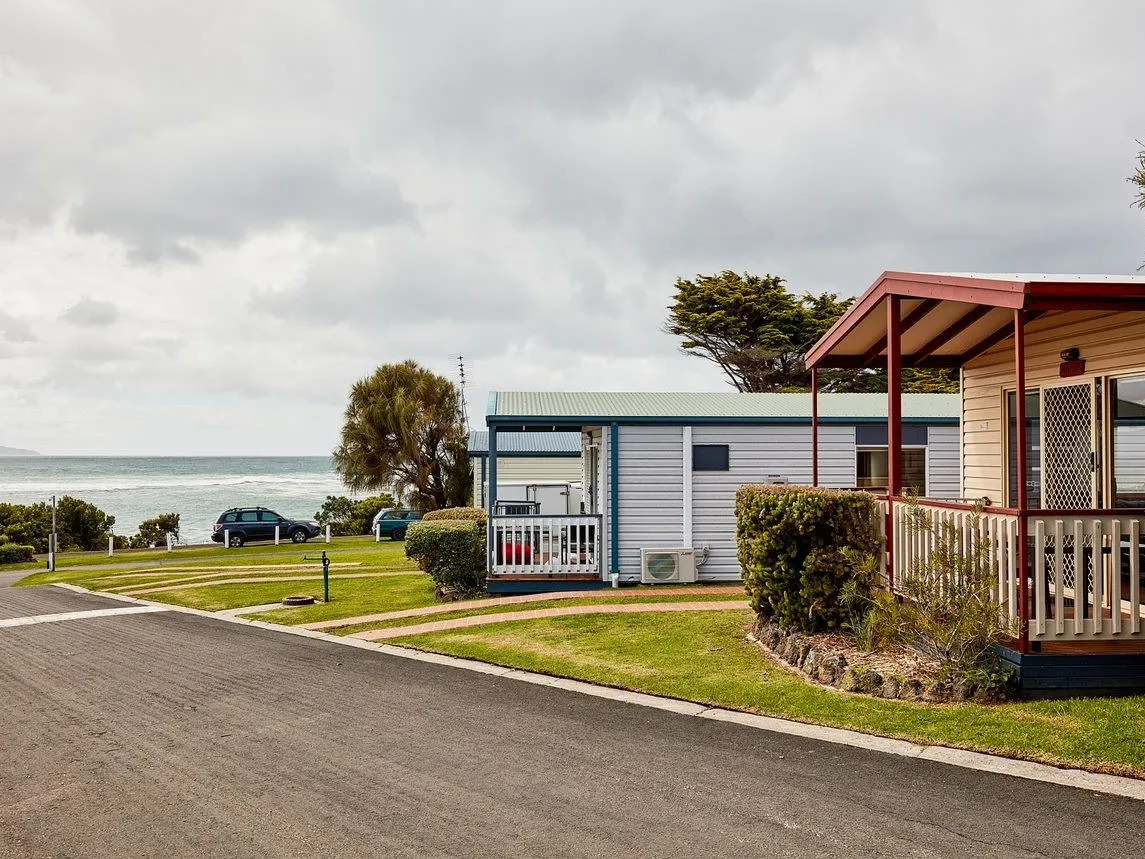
x=133, y=489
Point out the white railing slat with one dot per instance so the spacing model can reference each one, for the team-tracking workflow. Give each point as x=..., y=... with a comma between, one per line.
x=1115, y=579
x=1098, y=578
x=1134, y=576
x=1040, y=577
x=1059, y=577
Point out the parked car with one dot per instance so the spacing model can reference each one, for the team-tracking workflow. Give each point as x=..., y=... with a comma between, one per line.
x=258, y=523
x=394, y=522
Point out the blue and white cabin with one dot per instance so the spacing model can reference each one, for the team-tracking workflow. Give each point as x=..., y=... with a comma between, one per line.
x=661, y=470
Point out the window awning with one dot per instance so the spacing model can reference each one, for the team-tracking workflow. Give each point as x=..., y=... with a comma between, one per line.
x=948, y=319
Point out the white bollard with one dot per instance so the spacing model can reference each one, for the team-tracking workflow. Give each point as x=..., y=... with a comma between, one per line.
x=378, y=533
x=52, y=553
x=226, y=538
x=111, y=545
x=327, y=532
x=170, y=542
x=277, y=533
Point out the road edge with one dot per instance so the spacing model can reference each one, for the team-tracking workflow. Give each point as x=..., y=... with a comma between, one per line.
x=980, y=761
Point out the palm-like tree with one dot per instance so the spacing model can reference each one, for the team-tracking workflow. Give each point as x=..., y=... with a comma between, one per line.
x=404, y=430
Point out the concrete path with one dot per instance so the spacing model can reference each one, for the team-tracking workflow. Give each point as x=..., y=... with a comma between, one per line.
x=537, y=614
x=176, y=735
x=523, y=599
x=258, y=580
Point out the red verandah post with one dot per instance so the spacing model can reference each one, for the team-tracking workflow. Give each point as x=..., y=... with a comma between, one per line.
x=894, y=422
x=814, y=426
x=1023, y=489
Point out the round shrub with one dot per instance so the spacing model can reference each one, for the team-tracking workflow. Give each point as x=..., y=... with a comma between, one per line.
x=14, y=553
x=799, y=547
x=464, y=514
x=452, y=552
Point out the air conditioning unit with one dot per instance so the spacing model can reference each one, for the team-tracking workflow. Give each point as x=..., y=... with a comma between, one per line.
x=663, y=566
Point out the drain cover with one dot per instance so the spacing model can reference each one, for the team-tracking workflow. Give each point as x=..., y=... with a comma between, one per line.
x=300, y=599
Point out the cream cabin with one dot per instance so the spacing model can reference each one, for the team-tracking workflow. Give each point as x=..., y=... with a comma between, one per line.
x=1059, y=468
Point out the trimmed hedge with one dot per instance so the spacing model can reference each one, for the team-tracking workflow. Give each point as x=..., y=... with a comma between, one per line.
x=451, y=551
x=14, y=553
x=798, y=547
x=465, y=514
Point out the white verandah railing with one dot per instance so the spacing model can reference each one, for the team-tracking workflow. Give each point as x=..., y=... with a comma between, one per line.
x=544, y=545
x=1083, y=570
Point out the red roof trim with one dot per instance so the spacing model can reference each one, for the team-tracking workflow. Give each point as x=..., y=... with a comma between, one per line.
x=981, y=291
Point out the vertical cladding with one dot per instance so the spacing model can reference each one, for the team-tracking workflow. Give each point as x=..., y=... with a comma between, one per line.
x=651, y=492
x=943, y=463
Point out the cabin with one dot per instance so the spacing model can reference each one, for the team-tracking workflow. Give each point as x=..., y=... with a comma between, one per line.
x=660, y=471
x=1052, y=448
x=540, y=469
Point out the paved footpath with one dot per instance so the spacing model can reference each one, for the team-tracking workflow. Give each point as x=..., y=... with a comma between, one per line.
x=175, y=735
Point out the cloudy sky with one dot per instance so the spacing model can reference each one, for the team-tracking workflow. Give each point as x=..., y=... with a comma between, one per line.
x=214, y=217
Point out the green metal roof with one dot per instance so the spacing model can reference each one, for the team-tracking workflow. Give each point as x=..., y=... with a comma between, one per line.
x=527, y=443
x=537, y=407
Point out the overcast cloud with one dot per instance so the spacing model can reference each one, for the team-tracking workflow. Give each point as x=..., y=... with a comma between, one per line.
x=214, y=217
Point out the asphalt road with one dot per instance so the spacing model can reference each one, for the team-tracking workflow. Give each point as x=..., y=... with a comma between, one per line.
x=174, y=735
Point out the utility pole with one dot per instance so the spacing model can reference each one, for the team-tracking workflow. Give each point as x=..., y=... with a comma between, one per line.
x=52, y=540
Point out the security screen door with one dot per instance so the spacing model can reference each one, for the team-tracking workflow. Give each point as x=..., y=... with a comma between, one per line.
x=1069, y=460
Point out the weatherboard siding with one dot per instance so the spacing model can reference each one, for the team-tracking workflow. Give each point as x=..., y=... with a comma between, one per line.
x=943, y=463
x=651, y=489
x=755, y=455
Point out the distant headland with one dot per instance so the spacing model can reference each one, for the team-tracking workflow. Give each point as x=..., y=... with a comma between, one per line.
x=17, y=451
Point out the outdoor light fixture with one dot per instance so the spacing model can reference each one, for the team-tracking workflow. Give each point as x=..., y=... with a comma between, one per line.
x=1072, y=363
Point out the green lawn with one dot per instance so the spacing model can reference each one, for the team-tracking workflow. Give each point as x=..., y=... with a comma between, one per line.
x=647, y=595
x=82, y=569
x=348, y=597
x=703, y=656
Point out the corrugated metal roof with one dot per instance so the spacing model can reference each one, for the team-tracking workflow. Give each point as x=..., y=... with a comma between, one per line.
x=539, y=443
x=619, y=405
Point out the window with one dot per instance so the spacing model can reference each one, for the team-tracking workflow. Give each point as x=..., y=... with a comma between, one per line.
x=1127, y=397
x=248, y=516
x=710, y=457
x=387, y=515
x=231, y=517
x=413, y=514
x=1033, y=448
x=873, y=469
x=269, y=516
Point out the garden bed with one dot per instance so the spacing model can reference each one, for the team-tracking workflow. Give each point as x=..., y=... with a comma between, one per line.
x=833, y=659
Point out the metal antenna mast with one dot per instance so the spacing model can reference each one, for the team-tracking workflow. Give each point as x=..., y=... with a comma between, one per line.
x=464, y=405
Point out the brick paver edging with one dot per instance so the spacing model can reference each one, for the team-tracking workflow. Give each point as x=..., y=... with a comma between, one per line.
x=539, y=613
x=494, y=602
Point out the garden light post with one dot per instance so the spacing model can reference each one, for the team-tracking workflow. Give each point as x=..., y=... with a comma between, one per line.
x=52, y=540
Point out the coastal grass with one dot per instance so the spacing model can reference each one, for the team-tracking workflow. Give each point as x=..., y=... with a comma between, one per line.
x=96, y=568
x=348, y=597
x=704, y=657
x=658, y=594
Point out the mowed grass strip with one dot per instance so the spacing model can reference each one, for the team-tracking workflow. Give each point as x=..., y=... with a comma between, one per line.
x=344, y=550
x=605, y=598
x=704, y=657
x=348, y=596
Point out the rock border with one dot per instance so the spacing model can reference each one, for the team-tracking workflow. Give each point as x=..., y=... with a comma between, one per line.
x=813, y=658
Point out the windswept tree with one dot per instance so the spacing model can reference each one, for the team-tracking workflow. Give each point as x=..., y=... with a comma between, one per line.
x=404, y=430
x=757, y=332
